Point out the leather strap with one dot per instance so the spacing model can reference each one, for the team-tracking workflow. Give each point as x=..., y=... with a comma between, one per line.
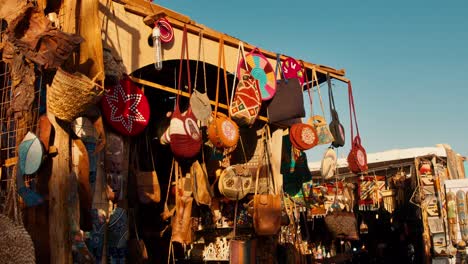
x=352, y=112
x=311, y=100
x=265, y=157
x=331, y=98
x=221, y=57
x=184, y=49
x=314, y=76
x=240, y=55
x=170, y=182
x=278, y=66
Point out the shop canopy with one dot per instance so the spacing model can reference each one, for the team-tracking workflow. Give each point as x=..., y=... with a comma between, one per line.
x=128, y=24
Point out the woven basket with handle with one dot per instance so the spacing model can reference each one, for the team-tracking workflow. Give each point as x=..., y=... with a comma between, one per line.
x=70, y=94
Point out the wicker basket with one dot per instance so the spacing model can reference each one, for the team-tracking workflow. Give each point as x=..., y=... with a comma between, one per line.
x=16, y=245
x=70, y=94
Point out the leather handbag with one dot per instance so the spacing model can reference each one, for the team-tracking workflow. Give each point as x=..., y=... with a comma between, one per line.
x=357, y=157
x=318, y=121
x=182, y=220
x=267, y=206
x=336, y=128
x=201, y=188
x=185, y=135
x=288, y=102
x=222, y=131
x=199, y=101
x=342, y=225
x=246, y=99
x=148, y=188
x=303, y=136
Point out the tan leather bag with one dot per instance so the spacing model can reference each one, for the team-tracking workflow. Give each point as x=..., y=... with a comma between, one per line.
x=148, y=188
x=182, y=221
x=200, y=186
x=267, y=207
x=223, y=132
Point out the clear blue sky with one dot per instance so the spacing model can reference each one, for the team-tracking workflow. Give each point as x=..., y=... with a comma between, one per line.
x=408, y=60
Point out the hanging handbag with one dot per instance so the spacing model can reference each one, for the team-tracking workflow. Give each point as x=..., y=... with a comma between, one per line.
x=257, y=65
x=288, y=102
x=246, y=99
x=182, y=220
x=185, y=136
x=148, y=188
x=199, y=101
x=303, y=136
x=137, y=252
x=235, y=182
x=293, y=69
x=267, y=206
x=342, y=225
x=201, y=188
x=318, y=121
x=357, y=157
x=222, y=131
x=336, y=128
x=328, y=164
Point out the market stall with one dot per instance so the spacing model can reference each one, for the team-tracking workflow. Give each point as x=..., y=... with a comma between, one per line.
x=131, y=133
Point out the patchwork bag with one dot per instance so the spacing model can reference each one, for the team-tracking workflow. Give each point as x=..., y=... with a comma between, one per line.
x=336, y=128
x=222, y=131
x=319, y=122
x=288, y=102
x=260, y=68
x=126, y=108
x=235, y=182
x=199, y=101
x=185, y=135
x=357, y=157
x=246, y=99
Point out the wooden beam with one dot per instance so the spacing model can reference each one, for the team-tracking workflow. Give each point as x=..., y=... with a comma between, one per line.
x=182, y=93
x=147, y=10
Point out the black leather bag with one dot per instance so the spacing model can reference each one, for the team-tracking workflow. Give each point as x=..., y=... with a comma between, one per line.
x=288, y=102
x=336, y=128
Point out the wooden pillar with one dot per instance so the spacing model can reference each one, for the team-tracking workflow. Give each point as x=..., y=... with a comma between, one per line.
x=59, y=183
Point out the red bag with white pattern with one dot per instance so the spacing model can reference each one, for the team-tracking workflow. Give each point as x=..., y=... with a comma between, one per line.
x=357, y=157
x=185, y=136
x=125, y=107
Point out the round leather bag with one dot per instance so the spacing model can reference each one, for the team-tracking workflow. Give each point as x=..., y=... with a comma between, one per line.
x=357, y=157
x=235, y=182
x=328, y=165
x=303, y=136
x=126, y=108
x=223, y=132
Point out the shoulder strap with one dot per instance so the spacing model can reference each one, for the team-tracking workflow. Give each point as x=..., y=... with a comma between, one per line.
x=184, y=49
x=240, y=56
x=279, y=69
x=331, y=98
x=265, y=158
x=314, y=76
x=352, y=111
x=222, y=56
x=201, y=49
x=308, y=86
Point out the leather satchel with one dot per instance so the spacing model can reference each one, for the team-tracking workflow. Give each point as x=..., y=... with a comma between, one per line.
x=267, y=207
x=222, y=131
x=182, y=221
x=357, y=157
x=288, y=102
x=336, y=128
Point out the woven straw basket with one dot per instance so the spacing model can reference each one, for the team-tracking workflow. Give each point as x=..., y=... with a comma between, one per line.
x=16, y=245
x=70, y=94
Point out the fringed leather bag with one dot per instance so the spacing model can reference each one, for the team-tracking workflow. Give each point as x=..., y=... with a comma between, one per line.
x=222, y=131
x=185, y=136
x=182, y=220
x=357, y=157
